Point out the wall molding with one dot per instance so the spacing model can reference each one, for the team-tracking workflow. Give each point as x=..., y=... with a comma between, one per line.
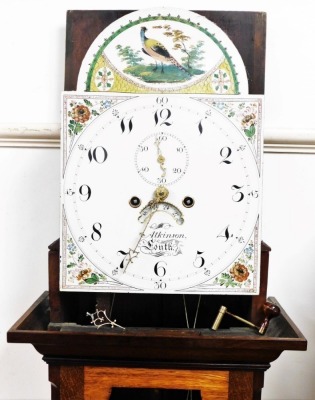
x=277, y=140
x=30, y=135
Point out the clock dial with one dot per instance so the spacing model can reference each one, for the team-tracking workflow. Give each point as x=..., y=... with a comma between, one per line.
x=161, y=194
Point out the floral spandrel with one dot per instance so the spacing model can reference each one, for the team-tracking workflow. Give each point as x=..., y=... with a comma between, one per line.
x=245, y=116
x=79, y=271
x=83, y=112
x=240, y=273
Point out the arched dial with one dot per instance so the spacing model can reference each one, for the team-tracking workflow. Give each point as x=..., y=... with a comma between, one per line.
x=203, y=236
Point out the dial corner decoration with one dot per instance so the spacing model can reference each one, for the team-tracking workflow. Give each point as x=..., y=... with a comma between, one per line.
x=163, y=50
x=161, y=193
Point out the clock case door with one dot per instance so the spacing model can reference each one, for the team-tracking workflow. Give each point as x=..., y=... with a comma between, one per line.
x=247, y=30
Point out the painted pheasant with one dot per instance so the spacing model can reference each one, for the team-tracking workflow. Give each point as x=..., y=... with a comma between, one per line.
x=158, y=52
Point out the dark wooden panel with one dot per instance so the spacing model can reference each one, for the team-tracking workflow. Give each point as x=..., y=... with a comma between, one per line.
x=83, y=26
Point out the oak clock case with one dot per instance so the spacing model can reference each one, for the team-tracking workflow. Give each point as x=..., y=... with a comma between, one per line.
x=161, y=193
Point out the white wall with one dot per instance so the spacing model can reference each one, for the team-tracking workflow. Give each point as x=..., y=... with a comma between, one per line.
x=32, y=36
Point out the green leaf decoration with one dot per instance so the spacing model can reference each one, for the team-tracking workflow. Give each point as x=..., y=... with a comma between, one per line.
x=251, y=131
x=92, y=280
x=88, y=103
x=227, y=280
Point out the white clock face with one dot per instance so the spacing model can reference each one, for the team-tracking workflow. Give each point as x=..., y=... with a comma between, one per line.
x=120, y=149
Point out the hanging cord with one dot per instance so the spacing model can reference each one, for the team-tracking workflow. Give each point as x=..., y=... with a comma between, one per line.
x=189, y=392
x=196, y=313
x=112, y=305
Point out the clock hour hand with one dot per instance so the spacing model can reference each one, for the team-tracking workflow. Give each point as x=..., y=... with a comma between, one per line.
x=133, y=253
x=160, y=194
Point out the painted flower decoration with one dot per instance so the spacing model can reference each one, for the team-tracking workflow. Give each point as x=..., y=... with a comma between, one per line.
x=104, y=79
x=72, y=248
x=106, y=104
x=80, y=113
x=249, y=121
x=239, y=272
x=221, y=81
x=84, y=274
x=249, y=250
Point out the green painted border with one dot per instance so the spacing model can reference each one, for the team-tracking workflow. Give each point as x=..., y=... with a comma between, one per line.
x=158, y=18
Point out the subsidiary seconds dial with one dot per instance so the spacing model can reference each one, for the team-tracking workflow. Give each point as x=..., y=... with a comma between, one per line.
x=174, y=151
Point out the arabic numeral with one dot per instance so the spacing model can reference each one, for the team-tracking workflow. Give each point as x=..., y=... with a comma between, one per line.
x=159, y=285
x=161, y=137
x=225, y=234
x=70, y=192
x=143, y=148
x=96, y=234
x=200, y=127
x=125, y=259
x=160, y=268
x=99, y=154
x=225, y=153
x=238, y=195
x=161, y=117
x=161, y=180
x=177, y=170
x=162, y=100
x=254, y=194
x=201, y=122
x=126, y=125
x=85, y=192
x=144, y=169
x=199, y=261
